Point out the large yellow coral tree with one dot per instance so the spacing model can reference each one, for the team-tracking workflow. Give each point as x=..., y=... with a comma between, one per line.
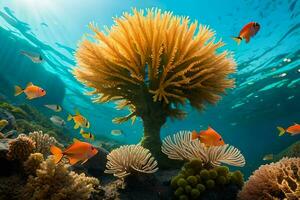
x=153, y=63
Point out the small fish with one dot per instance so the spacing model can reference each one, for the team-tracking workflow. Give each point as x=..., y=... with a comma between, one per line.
x=35, y=58
x=293, y=130
x=55, y=108
x=87, y=135
x=116, y=132
x=268, y=157
x=58, y=121
x=209, y=137
x=248, y=31
x=78, y=151
x=79, y=120
x=3, y=123
x=31, y=91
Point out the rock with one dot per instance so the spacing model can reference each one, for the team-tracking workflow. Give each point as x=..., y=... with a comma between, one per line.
x=8, y=167
x=9, y=117
x=11, y=134
x=291, y=151
x=96, y=165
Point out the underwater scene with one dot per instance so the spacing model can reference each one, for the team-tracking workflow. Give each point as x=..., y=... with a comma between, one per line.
x=149, y=100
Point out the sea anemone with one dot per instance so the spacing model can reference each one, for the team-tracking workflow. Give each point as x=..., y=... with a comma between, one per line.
x=20, y=148
x=128, y=159
x=182, y=147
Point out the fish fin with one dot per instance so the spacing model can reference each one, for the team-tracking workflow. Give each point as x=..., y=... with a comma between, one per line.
x=29, y=98
x=70, y=117
x=247, y=39
x=75, y=140
x=57, y=152
x=76, y=126
x=18, y=90
x=73, y=161
x=29, y=84
x=194, y=135
x=81, y=131
x=237, y=39
x=281, y=130
x=77, y=112
x=84, y=161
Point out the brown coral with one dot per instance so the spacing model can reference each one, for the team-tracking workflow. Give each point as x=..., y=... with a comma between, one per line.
x=20, y=148
x=56, y=182
x=280, y=180
x=33, y=163
x=153, y=64
x=43, y=142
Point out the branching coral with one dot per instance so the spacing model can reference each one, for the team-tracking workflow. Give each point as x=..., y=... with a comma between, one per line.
x=153, y=64
x=56, y=182
x=128, y=159
x=278, y=180
x=182, y=147
x=20, y=148
x=43, y=142
x=33, y=163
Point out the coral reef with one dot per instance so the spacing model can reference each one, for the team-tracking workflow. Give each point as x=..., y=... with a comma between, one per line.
x=20, y=148
x=10, y=188
x=43, y=142
x=153, y=64
x=25, y=119
x=278, y=180
x=291, y=151
x=182, y=147
x=130, y=159
x=33, y=163
x=197, y=182
x=56, y=182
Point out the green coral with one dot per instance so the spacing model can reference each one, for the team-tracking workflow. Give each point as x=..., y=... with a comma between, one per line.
x=195, y=180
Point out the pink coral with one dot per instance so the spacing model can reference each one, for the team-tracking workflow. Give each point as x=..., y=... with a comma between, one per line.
x=278, y=180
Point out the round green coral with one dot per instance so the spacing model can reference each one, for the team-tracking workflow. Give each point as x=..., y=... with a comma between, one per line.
x=196, y=164
x=213, y=174
x=195, y=193
x=188, y=189
x=210, y=184
x=221, y=180
x=222, y=170
x=179, y=191
x=201, y=187
x=204, y=174
x=192, y=180
x=183, y=197
x=237, y=178
x=182, y=182
x=174, y=181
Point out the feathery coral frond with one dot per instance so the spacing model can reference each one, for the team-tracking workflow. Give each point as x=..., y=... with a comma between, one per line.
x=128, y=159
x=171, y=58
x=182, y=147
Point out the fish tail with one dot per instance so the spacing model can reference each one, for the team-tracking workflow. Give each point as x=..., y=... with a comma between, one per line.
x=194, y=135
x=70, y=117
x=18, y=90
x=281, y=130
x=57, y=152
x=81, y=131
x=237, y=39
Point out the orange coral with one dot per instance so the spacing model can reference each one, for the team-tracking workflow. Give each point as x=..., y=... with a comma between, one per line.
x=20, y=148
x=153, y=64
x=278, y=180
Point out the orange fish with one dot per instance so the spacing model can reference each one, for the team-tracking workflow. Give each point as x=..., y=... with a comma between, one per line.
x=293, y=130
x=31, y=91
x=78, y=151
x=79, y=120
x=247, y=32
x=209, y=137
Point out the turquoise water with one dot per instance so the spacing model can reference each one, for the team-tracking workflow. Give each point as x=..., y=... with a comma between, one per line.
x=267, y=78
